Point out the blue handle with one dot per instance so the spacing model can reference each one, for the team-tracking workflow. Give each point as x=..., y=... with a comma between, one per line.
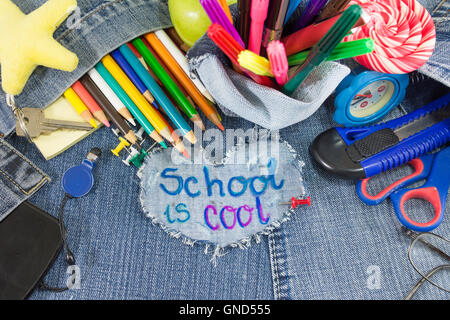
x=434, y=191
x=409, y=148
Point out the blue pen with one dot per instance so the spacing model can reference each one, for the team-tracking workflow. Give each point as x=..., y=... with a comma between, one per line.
x=293, y=5
x=122, y=62
x=155, y=89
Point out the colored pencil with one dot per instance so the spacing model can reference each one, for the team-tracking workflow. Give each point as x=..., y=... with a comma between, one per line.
x=132, y=107
x=108, y=108
x=133, y=76
x=174, y=91
x=172, y=33
x=90, y=103
x=79, y=106
x=137, y=97
x=138, y=55
x=111, y=95
x=164, y=102
x=177, y=144
x=174, y=79
x=181, y=60
x=184, y=79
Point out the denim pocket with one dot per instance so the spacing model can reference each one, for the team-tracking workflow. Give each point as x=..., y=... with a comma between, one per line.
x=19, y=178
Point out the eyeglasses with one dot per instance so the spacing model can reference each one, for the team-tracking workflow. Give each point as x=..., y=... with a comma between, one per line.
x=429, y=255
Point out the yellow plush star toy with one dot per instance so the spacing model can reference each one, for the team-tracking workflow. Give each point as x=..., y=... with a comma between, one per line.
x=26, y=41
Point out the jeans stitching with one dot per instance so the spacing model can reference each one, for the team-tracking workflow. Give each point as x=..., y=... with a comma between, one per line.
x=44, y=176
x=277, y=292
x=90, y=14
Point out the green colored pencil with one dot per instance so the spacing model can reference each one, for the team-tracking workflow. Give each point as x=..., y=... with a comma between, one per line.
x=170, y=85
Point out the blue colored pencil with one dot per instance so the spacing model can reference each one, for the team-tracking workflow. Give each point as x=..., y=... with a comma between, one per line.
x=131, y=106
x=157, y=92
x=122, y=62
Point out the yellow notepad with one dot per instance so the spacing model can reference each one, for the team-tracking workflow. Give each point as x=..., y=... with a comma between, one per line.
x=55, y=143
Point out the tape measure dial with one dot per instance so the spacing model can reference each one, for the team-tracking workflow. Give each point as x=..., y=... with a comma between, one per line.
x=368, y=96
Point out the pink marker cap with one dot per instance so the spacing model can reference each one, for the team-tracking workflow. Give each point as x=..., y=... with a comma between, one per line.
x=259, y=9
x=278, y=61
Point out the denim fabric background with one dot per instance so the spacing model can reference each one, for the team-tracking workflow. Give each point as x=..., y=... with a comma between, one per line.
x=323, y=252
x=438, y=67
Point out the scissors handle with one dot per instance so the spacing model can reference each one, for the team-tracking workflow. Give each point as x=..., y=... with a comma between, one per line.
x=434, y=191
x=421, y=166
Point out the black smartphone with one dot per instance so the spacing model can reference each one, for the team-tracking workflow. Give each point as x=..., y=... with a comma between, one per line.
x=30, y=240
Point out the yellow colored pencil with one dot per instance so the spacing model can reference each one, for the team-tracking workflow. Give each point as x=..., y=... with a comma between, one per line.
x=137, y=97
x=79, y=106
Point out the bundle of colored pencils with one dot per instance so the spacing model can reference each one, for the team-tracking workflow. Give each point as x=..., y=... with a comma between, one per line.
x=146, y=81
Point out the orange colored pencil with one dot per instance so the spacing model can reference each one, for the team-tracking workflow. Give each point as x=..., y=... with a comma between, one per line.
x=174, y=79
x=90, y=103
x=183, y=78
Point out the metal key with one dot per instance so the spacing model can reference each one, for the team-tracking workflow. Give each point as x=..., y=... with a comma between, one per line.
x=37, y=124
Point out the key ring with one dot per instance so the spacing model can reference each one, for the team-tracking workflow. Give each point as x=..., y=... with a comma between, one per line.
x=18, y=114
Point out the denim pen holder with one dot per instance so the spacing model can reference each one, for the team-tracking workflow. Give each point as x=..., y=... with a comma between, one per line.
x=240, y=96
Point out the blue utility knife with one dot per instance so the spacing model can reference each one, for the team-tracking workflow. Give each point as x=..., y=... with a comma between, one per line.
x=362, y=152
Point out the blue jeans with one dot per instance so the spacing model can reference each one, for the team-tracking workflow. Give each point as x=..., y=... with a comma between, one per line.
x=323, y=252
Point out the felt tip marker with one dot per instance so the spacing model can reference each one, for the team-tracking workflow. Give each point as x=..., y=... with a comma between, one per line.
x=275, y=20
x=258, y=15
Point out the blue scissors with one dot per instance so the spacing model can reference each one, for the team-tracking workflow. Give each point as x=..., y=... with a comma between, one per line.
x=435, y=168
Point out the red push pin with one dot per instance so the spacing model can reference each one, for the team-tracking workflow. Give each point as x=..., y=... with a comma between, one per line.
x=298, y=202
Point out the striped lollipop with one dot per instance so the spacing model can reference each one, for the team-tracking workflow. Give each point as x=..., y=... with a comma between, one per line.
x=403, y=32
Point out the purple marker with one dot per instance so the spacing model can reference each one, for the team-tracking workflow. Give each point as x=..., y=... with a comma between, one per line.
x=217, y=15
x=311, y=11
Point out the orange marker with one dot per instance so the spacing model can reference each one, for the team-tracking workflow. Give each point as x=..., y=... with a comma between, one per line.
x=90, y=103
x=185, y=81
x=226, y=9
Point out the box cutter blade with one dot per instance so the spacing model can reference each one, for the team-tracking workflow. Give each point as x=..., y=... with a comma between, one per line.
x=358, y=153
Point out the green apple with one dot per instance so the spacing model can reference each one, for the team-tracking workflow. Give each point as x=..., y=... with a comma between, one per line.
x=189, y=19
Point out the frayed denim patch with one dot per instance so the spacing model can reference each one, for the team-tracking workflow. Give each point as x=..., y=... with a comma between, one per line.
x=226, y=204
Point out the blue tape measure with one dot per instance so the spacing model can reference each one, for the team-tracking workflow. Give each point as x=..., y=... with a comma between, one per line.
x=367, y=96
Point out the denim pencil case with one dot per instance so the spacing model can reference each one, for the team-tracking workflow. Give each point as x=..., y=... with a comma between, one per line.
x=240, y=96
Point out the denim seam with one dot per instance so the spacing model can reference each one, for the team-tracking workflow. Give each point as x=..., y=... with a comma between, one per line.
x=44, y=179
x=90, y=14
x=279, y=268
x=274, y=268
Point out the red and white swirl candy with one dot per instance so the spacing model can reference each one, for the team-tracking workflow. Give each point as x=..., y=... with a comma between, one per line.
x=403, y=32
